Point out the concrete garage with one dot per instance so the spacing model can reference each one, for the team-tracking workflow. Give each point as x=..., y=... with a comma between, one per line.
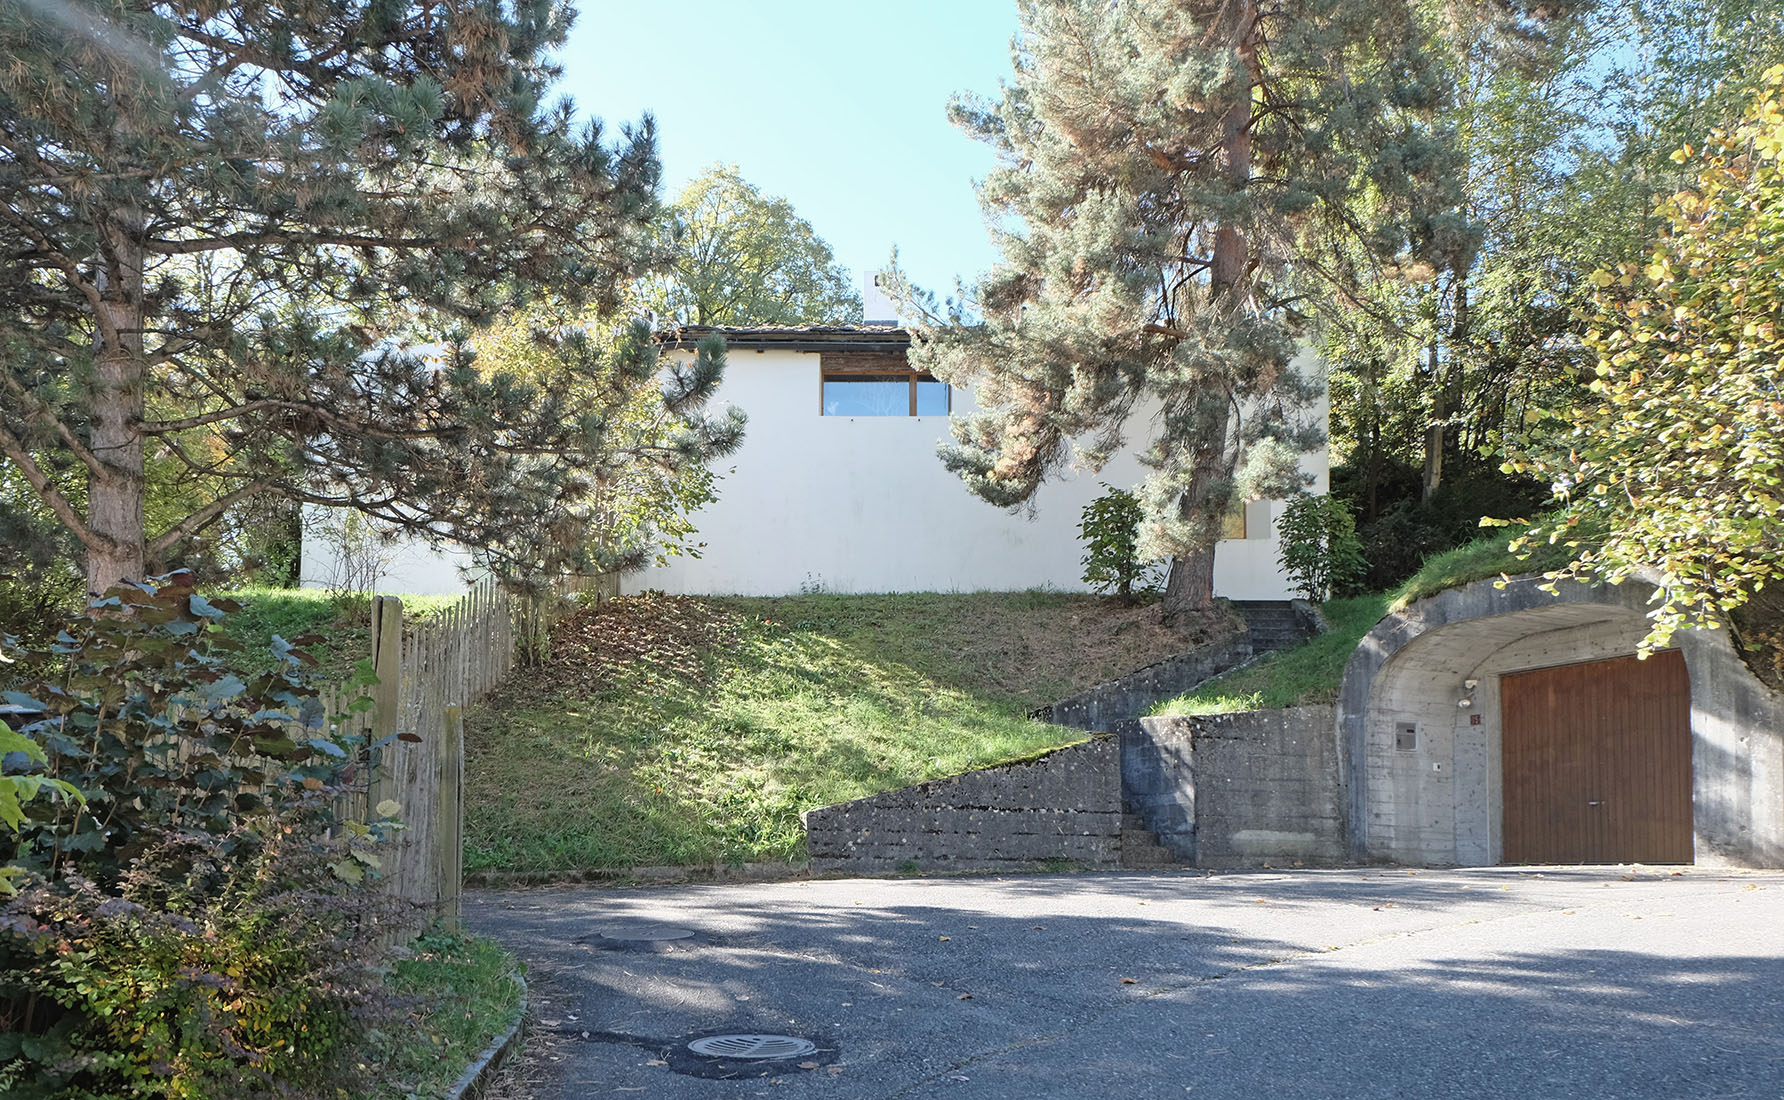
x=1506, y=724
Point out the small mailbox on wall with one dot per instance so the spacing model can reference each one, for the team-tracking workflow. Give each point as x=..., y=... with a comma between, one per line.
x=1406, y=737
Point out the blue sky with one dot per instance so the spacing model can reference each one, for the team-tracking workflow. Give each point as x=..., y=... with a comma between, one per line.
x=838, y=106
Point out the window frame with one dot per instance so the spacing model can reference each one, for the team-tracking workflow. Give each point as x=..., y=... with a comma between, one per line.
x=845, y=367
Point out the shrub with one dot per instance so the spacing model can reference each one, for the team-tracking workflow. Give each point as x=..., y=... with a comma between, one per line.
x=191, y=918
x=1109, y=526
x=219, y=966
x=1320, y=549
x=139, y=705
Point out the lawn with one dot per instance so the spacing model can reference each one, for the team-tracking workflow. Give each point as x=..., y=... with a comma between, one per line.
x=343, y=621
x=681, y=731
x=463, y=992
x=1311, y=673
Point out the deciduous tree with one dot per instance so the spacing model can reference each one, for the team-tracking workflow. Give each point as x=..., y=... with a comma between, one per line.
x=1676, y=464
x=745, y=258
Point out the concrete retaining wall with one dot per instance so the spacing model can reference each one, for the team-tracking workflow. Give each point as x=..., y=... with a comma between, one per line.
x=1239, y=790
x=1107, y=706
x=1065, y=805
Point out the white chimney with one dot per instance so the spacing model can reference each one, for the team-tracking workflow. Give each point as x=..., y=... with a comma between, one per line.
x=876, y=308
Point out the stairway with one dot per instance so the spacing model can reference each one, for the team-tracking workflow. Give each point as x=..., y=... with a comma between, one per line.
x=1140, y=848
x=1275, y=624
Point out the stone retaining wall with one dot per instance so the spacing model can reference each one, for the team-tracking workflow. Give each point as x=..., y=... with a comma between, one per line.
x=1239, y=790
x=1064, y=806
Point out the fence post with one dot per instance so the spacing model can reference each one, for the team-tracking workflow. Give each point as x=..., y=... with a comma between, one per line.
x=450, y=839
x=387, y=656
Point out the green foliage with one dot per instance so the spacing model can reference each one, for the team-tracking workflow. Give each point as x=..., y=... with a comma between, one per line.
x=1109, y=526
x=1176, y=180
x=745, y=258
x=246, y=250
x=139, y=706
x=1320, y=549
x=1675, y=468
x=218, y=965
x=1408, y=528
x=651, y=441
x=1564, y=116
x=187, y=917
x=18, y=786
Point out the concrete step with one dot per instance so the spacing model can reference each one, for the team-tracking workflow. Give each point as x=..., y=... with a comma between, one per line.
x=1274, y=624
x=1143, y=850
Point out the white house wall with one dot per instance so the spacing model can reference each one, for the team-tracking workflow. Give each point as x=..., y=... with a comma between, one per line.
x=862, y=504
x=408, y=566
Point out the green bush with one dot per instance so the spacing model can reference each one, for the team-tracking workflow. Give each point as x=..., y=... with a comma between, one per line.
x=1320, y=549
x=216, y=967
x=192, y=919
x=140, y=705
x=1109, y=526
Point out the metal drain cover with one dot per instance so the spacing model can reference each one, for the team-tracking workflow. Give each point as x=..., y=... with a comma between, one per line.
x=642, y=933
x=753, y=1048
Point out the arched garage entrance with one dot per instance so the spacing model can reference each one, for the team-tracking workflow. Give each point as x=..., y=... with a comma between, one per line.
x=1489, y=725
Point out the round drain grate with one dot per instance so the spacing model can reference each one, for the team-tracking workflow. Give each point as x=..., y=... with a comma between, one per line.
x=753, y=1048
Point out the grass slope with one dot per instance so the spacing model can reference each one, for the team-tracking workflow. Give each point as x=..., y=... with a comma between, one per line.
x=1311, y=673
x=675, y=731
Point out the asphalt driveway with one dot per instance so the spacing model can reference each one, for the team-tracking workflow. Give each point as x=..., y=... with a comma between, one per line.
x=1356, y=984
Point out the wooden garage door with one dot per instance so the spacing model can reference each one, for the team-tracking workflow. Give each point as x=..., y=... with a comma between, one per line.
x=1598, y=762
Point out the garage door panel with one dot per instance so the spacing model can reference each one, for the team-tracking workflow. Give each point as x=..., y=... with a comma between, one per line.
x=1597, y=762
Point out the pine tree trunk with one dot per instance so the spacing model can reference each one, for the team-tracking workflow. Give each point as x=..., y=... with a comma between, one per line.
x=115, y=494
x=1189, y=588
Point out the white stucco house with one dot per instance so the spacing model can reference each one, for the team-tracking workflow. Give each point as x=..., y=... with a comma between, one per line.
x=837, y=488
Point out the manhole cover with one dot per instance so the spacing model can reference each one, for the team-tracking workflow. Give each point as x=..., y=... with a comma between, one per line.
x=753, y=1048
x=646, y=934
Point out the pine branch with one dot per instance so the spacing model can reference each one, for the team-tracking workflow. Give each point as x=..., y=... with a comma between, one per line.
x=14, y=449
x=44, y=414
x=202, y=518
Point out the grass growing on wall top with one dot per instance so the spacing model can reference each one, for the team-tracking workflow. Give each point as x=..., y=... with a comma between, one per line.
x=1311, y=673
x=679, y=731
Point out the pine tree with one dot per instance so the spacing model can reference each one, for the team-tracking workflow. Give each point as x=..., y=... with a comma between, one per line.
x=1180, y=184
x=241, y=240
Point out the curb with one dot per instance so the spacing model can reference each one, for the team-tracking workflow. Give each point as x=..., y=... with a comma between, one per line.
x=475, y=1078
x=638, y=876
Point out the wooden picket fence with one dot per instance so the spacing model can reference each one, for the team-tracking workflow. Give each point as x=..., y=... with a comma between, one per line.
x=427, y=675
